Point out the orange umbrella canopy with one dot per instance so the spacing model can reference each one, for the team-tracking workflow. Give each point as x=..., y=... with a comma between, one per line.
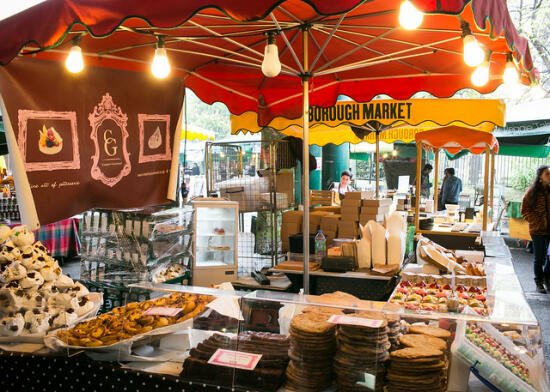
x=454, y=139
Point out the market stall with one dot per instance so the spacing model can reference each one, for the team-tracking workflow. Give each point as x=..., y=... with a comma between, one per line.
x=206, y=330
x=454, y=139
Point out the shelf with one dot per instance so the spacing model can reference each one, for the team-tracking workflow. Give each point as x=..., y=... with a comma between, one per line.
x=213, y=250
x=212, y=263
x=218, y=220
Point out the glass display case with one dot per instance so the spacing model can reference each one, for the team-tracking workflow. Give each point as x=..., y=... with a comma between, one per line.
x=216, y=231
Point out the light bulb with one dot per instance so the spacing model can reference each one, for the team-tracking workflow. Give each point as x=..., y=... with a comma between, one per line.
x=409, y=17
x=394, y=153
x=510, y=75
x=74, y=62
x=271, y=66
x=160, y=66
x=480, y=76
x=473, y=54
x=385, y=156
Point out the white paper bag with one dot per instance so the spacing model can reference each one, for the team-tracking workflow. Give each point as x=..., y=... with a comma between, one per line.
x=378, y=244
x=364, y=247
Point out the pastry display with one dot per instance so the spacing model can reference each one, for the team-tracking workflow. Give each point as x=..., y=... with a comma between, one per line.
x=35, y=295
x=170, y=272
x=435, y=297
x=445, y=259
x=482, y=339
x=130, y=320
x=268, y=374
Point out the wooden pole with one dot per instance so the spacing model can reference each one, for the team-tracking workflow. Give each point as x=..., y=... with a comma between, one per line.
x=492, y=184
x=305, y=162
x=417, y=192
x=377, y=163
x=486, y=188
x=436, y=177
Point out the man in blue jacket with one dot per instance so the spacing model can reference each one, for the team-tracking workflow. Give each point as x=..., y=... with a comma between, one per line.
x=450, y=189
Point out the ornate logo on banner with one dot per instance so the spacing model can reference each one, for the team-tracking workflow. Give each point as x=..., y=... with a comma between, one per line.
x=40, y=140
x=111, y=160
x=154, y=137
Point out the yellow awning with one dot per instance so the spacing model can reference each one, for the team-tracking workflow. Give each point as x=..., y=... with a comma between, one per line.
x=407, y=118
x=196, y=133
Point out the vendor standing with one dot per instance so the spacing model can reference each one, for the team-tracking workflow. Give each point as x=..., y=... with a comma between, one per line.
x=450, y=189
x=344, y=185
x=425, y=184
x=535, y=210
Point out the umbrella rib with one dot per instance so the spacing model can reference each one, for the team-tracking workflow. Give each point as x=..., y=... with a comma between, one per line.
x=227, y=39
x=357, y=47
x=322, y=49
x=369, y=63
x=398, y=41
x=287, y=43
x=318, y=47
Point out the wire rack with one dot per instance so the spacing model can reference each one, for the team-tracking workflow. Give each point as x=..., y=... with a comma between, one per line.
x=260, y=176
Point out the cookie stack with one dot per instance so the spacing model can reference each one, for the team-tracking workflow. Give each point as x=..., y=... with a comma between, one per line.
x=394, y=325
x=415, y=369
x=360, y=354
x=440, y=339
x=312, y=347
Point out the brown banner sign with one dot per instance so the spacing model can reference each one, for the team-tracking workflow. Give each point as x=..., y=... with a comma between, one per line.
x=102, y=138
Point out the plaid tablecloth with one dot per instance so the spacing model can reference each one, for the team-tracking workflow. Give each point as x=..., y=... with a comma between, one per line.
x=61, y=238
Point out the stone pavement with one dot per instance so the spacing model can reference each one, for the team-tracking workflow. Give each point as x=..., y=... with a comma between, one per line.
x=539, y=303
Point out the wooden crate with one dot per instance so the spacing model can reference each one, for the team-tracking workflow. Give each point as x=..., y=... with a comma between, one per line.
x=323, y=198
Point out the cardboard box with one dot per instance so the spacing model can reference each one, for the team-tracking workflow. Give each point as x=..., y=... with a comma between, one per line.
x=285, y=184
x=347, y=225
x=375, y=210
x=350, y=218
x=358, y=195
x=377, y=202
x=351, y=203
x=288, y=229
x=313, y=228
x=315, y=216
x=281, y=200
x=285, y=246
x=350, y=210
x=293, y=216
x=330, y=219
x=334, y=209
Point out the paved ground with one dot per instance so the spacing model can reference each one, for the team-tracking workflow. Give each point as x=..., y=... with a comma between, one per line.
x=540, y=303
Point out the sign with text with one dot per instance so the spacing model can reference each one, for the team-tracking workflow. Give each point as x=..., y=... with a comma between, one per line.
x=101, y=138
x=162, y=311
x=235, y=359
x=359, y=321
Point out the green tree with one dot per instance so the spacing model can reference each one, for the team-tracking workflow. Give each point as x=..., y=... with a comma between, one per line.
x=213, y=117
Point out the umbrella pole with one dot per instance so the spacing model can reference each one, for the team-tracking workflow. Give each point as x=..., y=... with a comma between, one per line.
x=305, y=160
x=377, y=163
x=436, y=177
x=417, y=191
x=486, y=188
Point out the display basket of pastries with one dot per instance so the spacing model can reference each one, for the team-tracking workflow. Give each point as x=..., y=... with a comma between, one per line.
x=496, y=358
x=430, y=252
x=136, y=321
x=35, y=296
x=422, y=296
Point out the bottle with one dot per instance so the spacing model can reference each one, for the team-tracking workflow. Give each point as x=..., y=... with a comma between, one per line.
x=320, y=245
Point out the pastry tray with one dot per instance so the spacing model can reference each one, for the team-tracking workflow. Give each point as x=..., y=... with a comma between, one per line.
x=492, y=370
x=96, y=298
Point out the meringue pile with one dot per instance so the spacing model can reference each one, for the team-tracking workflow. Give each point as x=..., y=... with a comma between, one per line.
x=35, y=295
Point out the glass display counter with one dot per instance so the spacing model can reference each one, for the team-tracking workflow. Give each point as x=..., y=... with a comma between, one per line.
x=266, y=340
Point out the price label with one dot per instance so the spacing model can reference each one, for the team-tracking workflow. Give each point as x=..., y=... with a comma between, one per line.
x=162, y=311
x=235, y=359
x=362, y=322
